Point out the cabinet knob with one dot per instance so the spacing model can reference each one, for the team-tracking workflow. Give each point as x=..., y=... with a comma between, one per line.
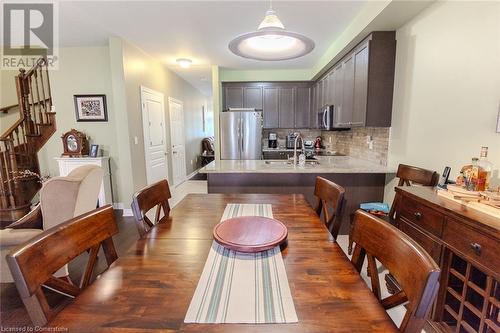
x=418, y=215
x=476, y=248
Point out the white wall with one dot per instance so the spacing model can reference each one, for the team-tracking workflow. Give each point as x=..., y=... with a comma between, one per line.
x=447, y=87
x=82, y=70
x=140, y=69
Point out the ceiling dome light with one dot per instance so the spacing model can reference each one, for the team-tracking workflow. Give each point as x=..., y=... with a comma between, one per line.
x=271, y=41
x=184, y=62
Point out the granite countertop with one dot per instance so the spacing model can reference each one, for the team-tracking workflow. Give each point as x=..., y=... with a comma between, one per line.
x=327, y=164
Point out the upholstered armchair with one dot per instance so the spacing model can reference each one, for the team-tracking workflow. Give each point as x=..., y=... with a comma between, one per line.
x=61, y=198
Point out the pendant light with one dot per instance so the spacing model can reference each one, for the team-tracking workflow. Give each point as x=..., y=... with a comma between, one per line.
x=271, y=41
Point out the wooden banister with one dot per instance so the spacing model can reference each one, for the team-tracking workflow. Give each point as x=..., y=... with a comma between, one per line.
x=20, y=143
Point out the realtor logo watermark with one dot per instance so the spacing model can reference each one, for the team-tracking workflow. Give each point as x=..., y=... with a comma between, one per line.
x=29, y=31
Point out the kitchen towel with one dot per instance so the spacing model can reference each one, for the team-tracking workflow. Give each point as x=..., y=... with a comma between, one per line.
x=237, y=287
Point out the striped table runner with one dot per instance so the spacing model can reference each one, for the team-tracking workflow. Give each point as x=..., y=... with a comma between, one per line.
x=237, y=287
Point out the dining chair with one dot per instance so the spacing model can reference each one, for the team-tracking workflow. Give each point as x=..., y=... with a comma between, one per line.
x=33, y=263
x=155, y=195
x=330, y=197
x=61, y=199
x=409, y=175
x=408, y=262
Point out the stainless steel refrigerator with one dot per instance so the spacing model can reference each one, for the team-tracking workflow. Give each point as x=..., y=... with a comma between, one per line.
x=241, y=134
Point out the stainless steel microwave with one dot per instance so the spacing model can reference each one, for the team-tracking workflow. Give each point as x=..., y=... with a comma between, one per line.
x=327, y=119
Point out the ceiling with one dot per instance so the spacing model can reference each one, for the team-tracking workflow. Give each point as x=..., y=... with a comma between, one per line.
x=201, y=30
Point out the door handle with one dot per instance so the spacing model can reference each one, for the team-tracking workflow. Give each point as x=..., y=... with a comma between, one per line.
x=242, y=134
x=418, y=215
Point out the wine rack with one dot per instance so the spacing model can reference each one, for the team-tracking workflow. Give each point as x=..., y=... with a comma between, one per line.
x=472, y=300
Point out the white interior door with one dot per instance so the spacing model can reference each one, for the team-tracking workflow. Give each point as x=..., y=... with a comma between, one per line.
x=155, y=144
x=177, y=140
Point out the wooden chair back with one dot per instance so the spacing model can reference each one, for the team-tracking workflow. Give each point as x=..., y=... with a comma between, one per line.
x=155, y=195
x=330, y=198
x=408, y=174
x=413, y=268
x=34, y=263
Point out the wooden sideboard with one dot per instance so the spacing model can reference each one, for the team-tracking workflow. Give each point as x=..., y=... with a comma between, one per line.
x=466, y=245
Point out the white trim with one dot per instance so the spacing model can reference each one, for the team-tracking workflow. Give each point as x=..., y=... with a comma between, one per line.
x=172, y=157
x=145, y=124
x=192, y=174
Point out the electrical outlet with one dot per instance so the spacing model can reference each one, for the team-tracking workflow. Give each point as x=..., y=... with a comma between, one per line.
x=191, y=162
x=136, y=140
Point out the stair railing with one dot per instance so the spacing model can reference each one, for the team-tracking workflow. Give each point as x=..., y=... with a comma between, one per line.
x=35, y=106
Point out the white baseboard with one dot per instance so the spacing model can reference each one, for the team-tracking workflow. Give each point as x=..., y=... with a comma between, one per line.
x=121, y=206
x=187, y=177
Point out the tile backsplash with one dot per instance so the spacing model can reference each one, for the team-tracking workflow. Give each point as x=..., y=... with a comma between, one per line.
x=307, y=134
x=354, y=143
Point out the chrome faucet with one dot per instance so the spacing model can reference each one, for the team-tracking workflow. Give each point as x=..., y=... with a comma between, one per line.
x=295, y=159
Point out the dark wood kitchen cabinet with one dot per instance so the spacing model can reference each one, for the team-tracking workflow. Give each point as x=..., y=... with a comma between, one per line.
x=284, y=104
x=360, y=85
x=286, y=107
x=252, y=97
x=271, y=107
x=242, y=96
x=465, y=244
x=302, y=107
x=313, y=112
x=233, y=97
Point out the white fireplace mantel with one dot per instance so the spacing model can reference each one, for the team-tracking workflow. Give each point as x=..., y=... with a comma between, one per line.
x=67, y=164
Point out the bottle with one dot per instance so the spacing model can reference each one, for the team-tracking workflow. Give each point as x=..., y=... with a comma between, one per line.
x=471, y=175
x=460, y=179
x=485, y=168
x=302, y=160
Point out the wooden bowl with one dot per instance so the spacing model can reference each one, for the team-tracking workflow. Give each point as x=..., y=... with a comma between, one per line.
x=250, y=233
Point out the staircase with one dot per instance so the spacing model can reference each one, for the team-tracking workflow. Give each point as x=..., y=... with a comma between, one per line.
x=19, y=145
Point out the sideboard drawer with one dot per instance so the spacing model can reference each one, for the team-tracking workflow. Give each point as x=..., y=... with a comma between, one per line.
x=472, y=243
x=423, y=216
x=430, y=245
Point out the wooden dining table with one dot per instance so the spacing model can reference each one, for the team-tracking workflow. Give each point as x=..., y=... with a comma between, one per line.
x=150, y=288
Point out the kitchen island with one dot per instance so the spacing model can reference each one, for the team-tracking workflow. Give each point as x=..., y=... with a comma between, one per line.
x=362, y=180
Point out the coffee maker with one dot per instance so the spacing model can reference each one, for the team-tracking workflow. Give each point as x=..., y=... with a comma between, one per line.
x=272, y=140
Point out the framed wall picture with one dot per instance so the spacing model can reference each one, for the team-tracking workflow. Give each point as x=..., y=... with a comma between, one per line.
x=91, y=108
x=94, y=149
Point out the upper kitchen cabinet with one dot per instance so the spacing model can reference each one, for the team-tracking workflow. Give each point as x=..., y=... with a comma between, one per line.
x=233, y=97
x=284, y=104
x=252, y=97
x=241, y=95
x=271, y=107
x=302, y=107
x=380, y=78
x=360, y=85
x=286, y=107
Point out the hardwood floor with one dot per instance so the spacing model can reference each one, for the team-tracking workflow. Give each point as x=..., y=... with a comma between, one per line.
x=12, y=311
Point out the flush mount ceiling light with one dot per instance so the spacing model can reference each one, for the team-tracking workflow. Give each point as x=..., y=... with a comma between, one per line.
x=184, y=62
x=271, y=41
